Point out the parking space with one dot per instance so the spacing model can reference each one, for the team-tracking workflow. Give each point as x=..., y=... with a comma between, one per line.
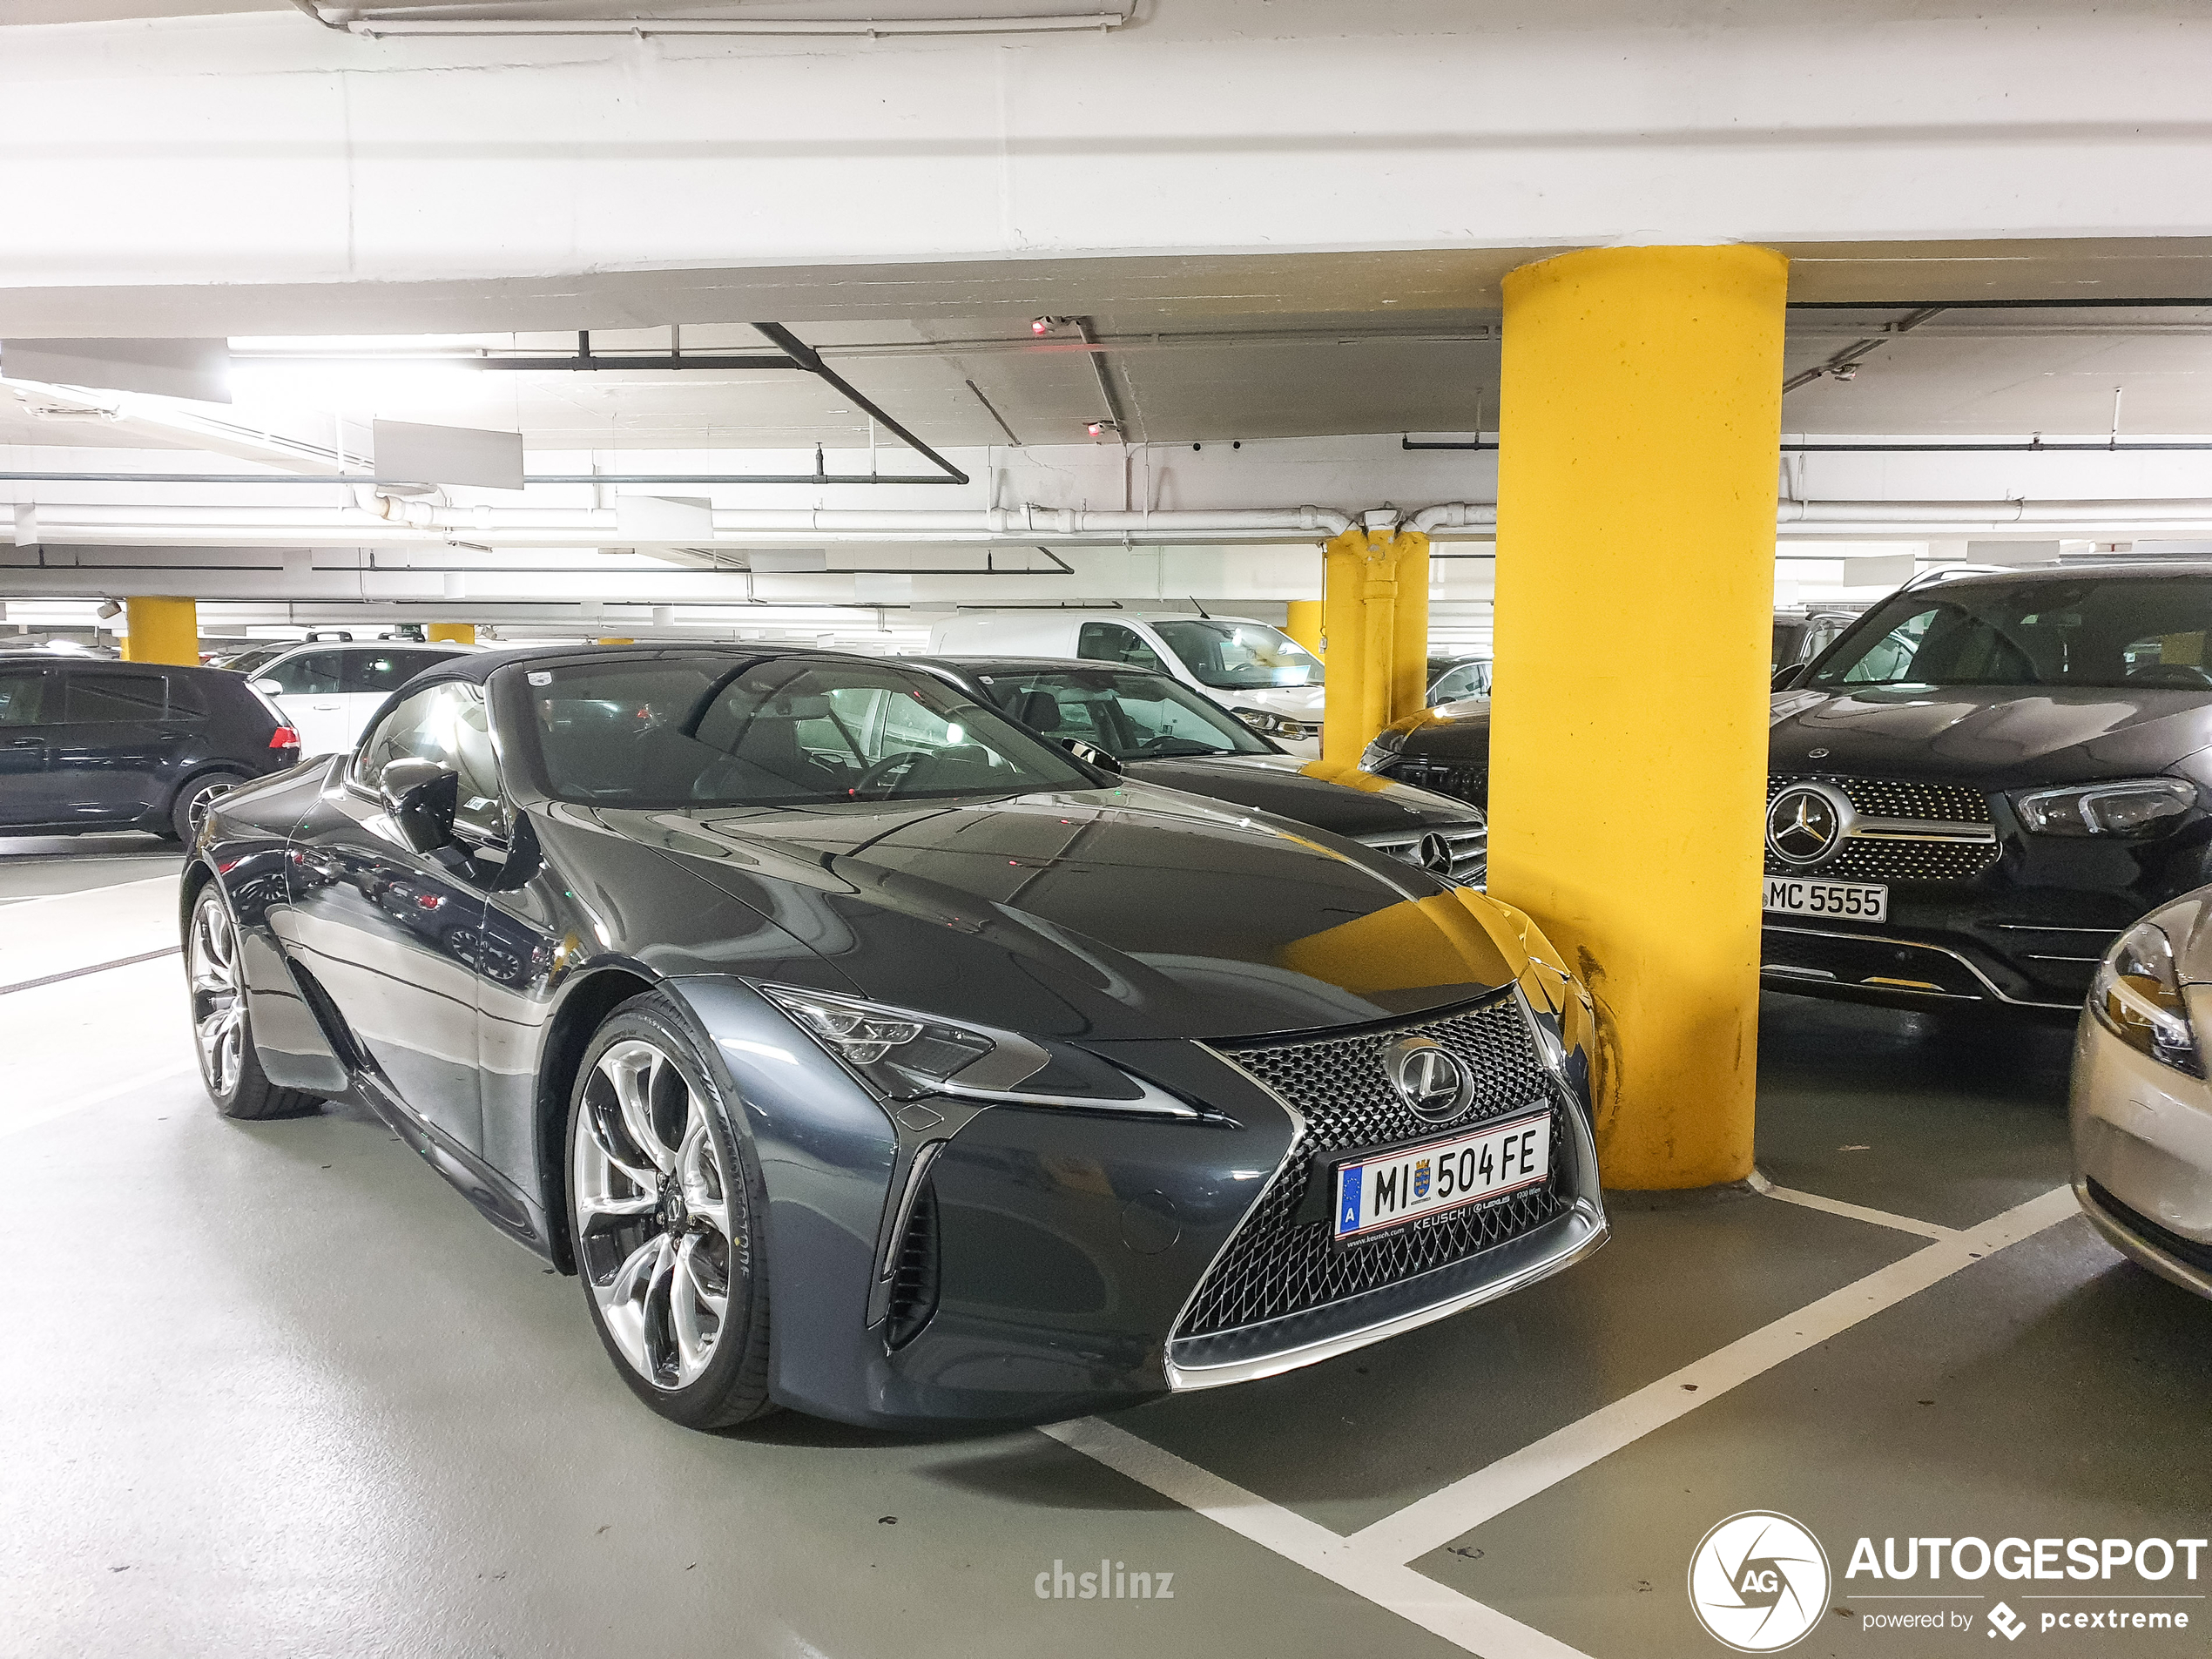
x=327, y=1400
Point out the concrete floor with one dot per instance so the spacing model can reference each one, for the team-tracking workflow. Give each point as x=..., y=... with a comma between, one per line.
x=274, y=1390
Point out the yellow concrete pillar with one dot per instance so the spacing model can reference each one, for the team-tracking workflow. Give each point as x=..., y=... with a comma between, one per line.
x=1409, y=657
x=1640, y=412
x=1303, y=623
x=453, y=633
x=1344, y=640
x=1378, y=605
x=162, y=631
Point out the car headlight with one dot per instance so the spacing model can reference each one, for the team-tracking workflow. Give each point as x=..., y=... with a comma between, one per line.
x=902, y=1054
x=1268, y=724
x=2128, y=806
x=1387, y=747
x=2137, y=997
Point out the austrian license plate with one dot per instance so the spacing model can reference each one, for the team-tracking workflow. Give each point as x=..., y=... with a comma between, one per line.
x=1421, y=1181
x=1852, y=900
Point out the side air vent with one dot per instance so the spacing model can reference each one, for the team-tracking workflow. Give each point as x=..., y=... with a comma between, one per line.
x=335, y=1031
x=915, y=1271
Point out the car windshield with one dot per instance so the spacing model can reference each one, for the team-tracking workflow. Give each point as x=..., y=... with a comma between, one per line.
x=245, y=661
x=1131, y=716
x=706, y=731
x=1239, y=656
x=2111, y=632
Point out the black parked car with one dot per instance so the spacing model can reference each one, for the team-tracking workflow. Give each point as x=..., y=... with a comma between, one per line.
x=1156, y=731
x=1972, y=792
x=734, y=982
x=89, y=744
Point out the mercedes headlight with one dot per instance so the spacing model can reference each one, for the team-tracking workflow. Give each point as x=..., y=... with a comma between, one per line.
x=1389, y=743
x=901, y=1054
x=2128, y=806
x=2137, y=997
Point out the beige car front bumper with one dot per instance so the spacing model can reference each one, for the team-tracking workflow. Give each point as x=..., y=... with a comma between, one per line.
x=2142, y=1152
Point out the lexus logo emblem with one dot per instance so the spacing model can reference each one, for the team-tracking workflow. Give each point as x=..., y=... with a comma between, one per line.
x=1436, y=854
x=1431, y=1080
x=1805, y=822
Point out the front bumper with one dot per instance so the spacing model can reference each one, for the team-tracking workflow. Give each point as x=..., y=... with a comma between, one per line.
x=1058, y=1253
x=1894, y=967
x=2142, y=1155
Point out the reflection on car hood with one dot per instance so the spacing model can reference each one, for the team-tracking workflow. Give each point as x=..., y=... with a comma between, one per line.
x=1997, y=737
x=1111, y=913
x=1279, y=784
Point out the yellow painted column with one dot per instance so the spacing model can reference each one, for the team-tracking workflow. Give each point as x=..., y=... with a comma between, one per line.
x=453, y=633
x=1378, y=604
x=1303, y=623
x=162, y=631
x=1641, y=414
x=1409, y=662
x=1345, y=642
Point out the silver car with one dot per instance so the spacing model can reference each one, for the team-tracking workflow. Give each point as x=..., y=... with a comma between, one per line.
x=2141, y=1106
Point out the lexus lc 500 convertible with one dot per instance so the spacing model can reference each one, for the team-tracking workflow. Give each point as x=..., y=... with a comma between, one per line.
x=865, y=1053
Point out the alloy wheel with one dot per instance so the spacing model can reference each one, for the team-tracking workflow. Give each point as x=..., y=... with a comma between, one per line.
x=217, y=997
x=653, y=1214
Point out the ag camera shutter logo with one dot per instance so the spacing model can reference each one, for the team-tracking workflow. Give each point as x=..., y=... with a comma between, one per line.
x=1758, y=1582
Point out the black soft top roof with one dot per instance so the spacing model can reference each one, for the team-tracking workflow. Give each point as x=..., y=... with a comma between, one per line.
x=480, y=666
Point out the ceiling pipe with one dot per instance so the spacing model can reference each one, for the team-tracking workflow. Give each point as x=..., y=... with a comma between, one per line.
x=382, y=518
x=421, y=516
x=400, y=21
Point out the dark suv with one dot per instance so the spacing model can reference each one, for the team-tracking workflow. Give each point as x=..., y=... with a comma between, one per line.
x=108, y=745
x=1972, y=792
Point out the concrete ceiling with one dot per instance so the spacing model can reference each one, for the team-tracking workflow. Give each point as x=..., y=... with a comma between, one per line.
x=1206, y=378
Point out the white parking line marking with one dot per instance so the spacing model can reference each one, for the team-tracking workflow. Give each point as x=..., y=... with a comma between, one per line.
x=1431, y=1523
x=1860, y=1212
x=83, y=893
x=1362, y=1570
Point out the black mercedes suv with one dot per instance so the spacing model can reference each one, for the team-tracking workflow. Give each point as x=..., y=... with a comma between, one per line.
x=1971, y=792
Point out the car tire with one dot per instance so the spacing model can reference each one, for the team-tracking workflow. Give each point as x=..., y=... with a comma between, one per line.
x=665, y=1203
x=222, y=1028
x=191, y=801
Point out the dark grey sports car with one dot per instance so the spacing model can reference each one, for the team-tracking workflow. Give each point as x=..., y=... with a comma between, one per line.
x=736, y=982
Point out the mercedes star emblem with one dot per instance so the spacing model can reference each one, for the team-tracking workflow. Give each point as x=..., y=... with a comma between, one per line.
x=1429, y=1078
x=1436, y=854
x=1805, y=823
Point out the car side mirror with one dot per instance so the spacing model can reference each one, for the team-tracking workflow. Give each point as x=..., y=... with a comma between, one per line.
x=421, y=796
x=268, y=687
x=1786, y=679
x=1090, y=754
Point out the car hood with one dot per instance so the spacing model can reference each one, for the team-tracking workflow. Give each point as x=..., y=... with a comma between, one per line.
x=1279, y=783
x=1300, y=702
x=1995, y=737
x=1114, y=913
x=1991, y=737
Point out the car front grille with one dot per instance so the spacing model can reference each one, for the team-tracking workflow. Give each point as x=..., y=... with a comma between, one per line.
x=1470, y=784
x=1906, y=809
x=1470, y=845
x=1277, y=1264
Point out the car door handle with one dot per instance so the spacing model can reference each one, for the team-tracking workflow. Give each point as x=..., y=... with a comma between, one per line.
x=26, y=743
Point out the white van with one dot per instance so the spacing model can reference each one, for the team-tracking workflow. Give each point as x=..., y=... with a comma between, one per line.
x=1257, y=672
